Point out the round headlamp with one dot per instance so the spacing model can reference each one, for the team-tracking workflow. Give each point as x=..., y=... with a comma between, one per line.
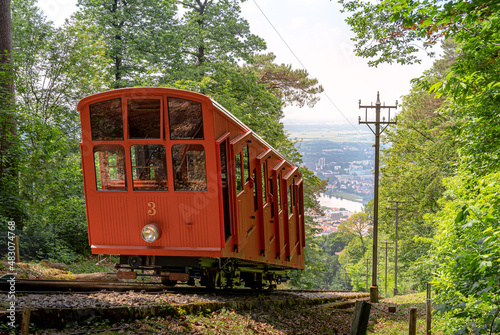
x=150, y=233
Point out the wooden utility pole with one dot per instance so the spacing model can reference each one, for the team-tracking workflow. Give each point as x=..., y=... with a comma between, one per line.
x=367, y=263
x=386, y=251
x=412, y=321
x=397, y=209
x=380, y=126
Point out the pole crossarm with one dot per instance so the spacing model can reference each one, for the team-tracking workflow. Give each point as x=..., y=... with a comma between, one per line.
x=378, y=106
x=380, y=126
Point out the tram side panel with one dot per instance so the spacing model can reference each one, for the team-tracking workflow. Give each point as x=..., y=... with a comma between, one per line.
x=243, y=239
x=257, y=198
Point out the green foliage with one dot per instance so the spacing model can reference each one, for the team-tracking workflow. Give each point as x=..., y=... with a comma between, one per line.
x=353, y=260
x=394, y=30
x=420, y=152
x=456, y=140
x=291, y=86
x=323, y=270
x=50, y=78
x=214, y=34
x=471, y=87
x=9, y=200
x=141, y=37
x=204, y=46
x=467, y=248
x=379, y=35
x=355, y=227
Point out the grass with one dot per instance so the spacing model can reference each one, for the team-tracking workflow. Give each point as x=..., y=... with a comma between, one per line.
x=395, y=324
x=40, y=270
x=94, y=264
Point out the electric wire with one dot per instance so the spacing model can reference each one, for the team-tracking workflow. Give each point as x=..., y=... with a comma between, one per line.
x=303, y=66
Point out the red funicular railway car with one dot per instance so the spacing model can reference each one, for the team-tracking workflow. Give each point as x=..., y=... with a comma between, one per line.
x=176, y=184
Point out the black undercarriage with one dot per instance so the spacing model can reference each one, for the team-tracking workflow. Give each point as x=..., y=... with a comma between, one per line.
x=213, y=273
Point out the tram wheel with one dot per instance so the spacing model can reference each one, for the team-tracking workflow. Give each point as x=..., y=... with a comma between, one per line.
x=167, y=282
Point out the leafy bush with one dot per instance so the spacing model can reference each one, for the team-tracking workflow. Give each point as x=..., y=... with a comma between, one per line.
x=466, y=251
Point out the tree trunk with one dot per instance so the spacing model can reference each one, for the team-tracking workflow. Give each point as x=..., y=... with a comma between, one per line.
x=7, y=121
x=9, y=192
x=201, y=22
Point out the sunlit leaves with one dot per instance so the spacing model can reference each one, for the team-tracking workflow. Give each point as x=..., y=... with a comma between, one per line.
x=292, y=86
x=54, y=68
x=141, y=37
x=468, y=249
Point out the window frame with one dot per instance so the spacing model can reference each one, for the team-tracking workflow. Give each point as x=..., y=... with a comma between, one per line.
x=165, y=169
x=174, y=172
x=125, y=102
x=238, y=172
x=98, y=174
x=169, y=120
x=122, y=119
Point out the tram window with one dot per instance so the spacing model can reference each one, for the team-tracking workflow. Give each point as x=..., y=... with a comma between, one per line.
x=106, y=120
x=271, y=190
x=188, y=161
x=149, y=167
x=264, y=178
x=246, y=164
x=278, y=189
x=255, y=199
x=239, y=177
x=144, y=118
x=185, y=119
x=109, y=162
x=300, y=200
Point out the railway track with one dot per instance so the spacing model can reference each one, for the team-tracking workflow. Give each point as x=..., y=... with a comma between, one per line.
x=52, y=286
x=32, y=286
x=55, y=304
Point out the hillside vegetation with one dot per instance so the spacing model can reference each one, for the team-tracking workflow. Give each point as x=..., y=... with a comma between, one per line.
x=444, y=155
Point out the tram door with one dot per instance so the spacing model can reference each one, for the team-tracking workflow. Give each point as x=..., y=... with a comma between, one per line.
x=225, y=189
x=265, y=204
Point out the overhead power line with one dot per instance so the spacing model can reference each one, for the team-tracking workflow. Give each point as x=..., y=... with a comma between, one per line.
x=304, y=67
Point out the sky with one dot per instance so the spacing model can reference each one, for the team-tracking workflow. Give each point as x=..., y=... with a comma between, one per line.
x=311, y=34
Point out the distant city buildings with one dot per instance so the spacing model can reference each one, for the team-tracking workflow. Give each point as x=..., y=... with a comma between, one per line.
x=344, y=158
x=345, y=171
x=332, y=218
x=349, y=170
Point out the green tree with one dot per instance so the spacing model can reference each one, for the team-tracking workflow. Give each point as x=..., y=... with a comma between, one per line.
x=50, y=78
x=387, y=32
x=396, y=30
x=141, y=36
x=214, y=34
x=467, y=249
x=466, y=218
x=420, y=151
x=356, y=226
x=353, y=260
x=9, y=196
x=292, y=86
